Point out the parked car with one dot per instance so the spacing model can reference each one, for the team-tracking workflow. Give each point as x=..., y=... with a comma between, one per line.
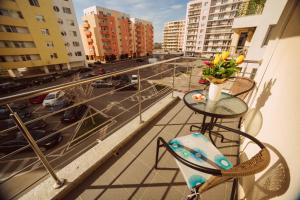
x=60, y=104
x=97, y=62
x=38, y=99
x=37, y=125
x=134, y=79
x=139, y=60
x=19, y=141
x=102, y=84
x=74, y=114
x=8, y=87
x=125, y=85
x=85, y=69
x=89, y=75
x=4, y=113
x=53, y=97
x=19, y=106
x=100, y=71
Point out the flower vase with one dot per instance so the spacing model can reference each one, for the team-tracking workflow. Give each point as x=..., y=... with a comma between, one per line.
x=214, y=91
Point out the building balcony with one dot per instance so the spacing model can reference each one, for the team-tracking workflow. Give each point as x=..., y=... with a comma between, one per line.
x=251, y=8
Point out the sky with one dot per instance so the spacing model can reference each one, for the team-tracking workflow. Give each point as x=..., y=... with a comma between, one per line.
x=156, y=11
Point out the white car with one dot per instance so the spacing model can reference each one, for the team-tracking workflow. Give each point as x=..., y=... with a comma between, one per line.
x=52, y=98
x=134, y=79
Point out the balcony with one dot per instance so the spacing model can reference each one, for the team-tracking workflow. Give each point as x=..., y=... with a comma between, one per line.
x=251, y=7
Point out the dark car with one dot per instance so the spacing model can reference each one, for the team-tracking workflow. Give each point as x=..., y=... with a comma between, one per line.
x=102, y=84
x=19, y=106
x=85, y=69
x=74, y=114
x=60, y=104
x=37, y=125
x=9, y=87
x=38, y=99
x=4, y=113
x=9, y=123
x=19, y=141
x=139, y=60
x=97, y=62
x=125, y=85
x=89, y=75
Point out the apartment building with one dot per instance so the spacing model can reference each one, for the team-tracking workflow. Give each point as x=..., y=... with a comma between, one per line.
x=173, y=35
x=30, y=38
x=208, y=26
x=142, y=32
x=108, y=35
x=69, y=31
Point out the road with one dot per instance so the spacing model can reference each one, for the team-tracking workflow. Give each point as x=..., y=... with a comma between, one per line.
x=21, y=171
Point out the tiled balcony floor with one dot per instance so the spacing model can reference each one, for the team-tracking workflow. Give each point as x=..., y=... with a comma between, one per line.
x=131, y=173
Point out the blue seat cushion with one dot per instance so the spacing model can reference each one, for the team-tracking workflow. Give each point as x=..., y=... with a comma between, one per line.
x=198, y=149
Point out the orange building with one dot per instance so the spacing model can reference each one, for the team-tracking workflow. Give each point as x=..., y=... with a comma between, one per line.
x=109, y=35
x=142, y=37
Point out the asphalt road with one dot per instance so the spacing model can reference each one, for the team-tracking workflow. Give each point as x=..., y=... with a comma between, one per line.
x=20, y=172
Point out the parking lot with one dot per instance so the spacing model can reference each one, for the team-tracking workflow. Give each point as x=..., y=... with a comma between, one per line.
x=113, y=110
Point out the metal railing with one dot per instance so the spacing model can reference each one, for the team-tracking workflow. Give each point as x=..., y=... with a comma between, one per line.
x=108, y=109
x=252, y=7
x=101, y=103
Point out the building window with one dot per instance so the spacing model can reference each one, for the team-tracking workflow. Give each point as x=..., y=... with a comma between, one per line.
x=70, y=54
x=63, y=33
x=34, y=3
x=53, y=56
x=56, y=9
x=78, y=53
x=206, y=3
x=45, y=31
x=66, y=10
x=50, y=44
x=76, y=44
x=2, y=59
x=74, y=33
x=67, y=44
x=60, y=21
x=8, y=28
x=71, y=22
x=40, y=18
x=221, y=16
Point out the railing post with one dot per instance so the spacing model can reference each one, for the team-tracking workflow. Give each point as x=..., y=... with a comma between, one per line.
x=190, y=78
x=173, y=84
x=58, y=183
x=140, y=96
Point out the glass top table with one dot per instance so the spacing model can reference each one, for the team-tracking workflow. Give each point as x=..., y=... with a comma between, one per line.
x=228, y=106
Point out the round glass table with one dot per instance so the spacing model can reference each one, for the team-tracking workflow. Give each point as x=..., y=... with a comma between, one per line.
x=228, y=106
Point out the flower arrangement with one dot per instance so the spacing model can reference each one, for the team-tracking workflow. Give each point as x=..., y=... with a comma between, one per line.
x=221, y=67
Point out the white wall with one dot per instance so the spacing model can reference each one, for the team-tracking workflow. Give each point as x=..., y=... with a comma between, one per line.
x=270, y=15
x=277, y=100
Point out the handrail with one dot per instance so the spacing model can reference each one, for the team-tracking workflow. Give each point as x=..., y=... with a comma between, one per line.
x=26, y=95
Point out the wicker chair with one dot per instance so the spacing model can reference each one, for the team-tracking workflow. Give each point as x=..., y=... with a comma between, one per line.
x=206, y=167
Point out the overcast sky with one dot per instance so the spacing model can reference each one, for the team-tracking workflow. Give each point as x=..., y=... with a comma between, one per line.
x=156, y=11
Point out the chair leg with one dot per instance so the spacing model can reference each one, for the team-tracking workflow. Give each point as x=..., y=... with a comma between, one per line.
x=194, y=195
x=234, y=189
x=157, y=153
x=240, y=123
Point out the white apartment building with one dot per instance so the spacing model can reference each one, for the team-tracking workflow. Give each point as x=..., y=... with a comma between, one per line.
x=174, y=35
x=69, y=30
x=208, y=26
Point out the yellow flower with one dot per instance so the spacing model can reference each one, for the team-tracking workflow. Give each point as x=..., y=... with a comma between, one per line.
x=225, y=55
x=240, y=59
x=217, y=59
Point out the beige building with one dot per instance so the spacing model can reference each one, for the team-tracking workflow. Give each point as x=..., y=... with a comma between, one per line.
x=208, y=26
x=173, y=35
x=108, y=35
